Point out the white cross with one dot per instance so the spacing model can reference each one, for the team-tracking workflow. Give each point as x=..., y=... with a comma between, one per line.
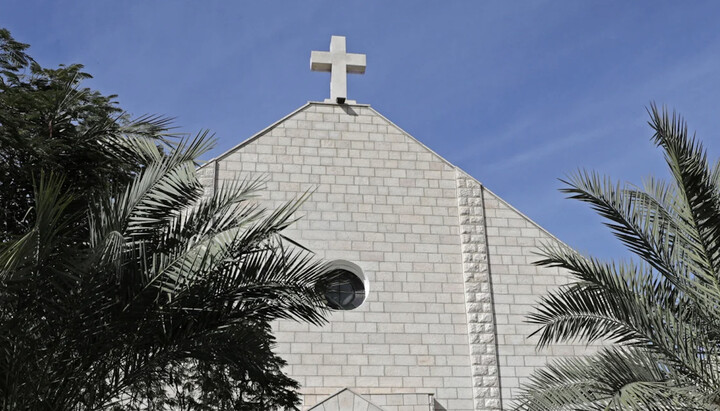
x=338, y=62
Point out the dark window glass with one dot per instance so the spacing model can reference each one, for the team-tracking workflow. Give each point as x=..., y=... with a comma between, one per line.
x=345, y=291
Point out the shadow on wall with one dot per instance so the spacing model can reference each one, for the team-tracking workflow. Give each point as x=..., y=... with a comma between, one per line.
x=348, y=110
x=437, y=406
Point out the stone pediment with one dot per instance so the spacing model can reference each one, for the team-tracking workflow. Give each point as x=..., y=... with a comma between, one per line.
x=346, y=400
x=428, y=238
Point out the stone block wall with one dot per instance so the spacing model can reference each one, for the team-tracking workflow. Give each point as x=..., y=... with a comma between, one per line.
x=353, y=400
x=388, y=204
x=403, y=402
x=449, y=264
x=513, y=240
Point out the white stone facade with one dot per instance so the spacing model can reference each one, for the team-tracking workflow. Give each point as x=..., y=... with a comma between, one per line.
x=513, y=240
x=448, y=263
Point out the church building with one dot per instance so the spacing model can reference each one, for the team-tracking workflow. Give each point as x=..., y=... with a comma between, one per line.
x=438, y=271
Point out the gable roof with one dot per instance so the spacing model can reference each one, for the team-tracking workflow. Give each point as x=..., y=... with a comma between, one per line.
x=345, y=400
x=314, y=103
x=348, y=108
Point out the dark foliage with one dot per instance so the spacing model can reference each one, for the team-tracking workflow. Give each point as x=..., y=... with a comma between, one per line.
x=123, y=286
x=49, y=122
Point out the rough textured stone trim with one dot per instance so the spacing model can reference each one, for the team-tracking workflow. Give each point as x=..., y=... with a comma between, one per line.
x=478, y=293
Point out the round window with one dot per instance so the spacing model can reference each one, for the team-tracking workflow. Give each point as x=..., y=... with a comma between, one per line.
x=346, y=288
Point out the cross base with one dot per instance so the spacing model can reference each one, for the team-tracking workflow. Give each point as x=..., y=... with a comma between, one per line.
x=333, y=101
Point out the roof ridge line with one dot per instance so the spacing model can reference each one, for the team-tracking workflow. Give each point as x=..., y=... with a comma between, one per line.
x=339, y=392
x=256, y=135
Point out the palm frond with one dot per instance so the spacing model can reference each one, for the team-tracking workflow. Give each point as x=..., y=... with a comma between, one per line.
x=664, y=313
x=640, y=224
x=613, y=379
x=50, y=220
x=626, y=304
x=155, y=196
x=688, y=163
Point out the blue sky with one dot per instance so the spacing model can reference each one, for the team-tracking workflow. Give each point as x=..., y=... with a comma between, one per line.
x=517, y=93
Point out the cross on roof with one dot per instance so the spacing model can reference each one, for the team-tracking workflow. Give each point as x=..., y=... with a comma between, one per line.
x=338, y=62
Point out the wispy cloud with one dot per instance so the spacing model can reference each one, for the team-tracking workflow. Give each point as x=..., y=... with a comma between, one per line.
x=541, y=150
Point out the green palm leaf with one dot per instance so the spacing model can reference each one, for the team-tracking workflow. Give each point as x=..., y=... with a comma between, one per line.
x=613, y=379
x=663, y=313
x=169, y=285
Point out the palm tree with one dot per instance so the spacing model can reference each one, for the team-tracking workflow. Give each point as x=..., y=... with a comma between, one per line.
x=49, y=121
x=663, y=313
x=167, y=301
